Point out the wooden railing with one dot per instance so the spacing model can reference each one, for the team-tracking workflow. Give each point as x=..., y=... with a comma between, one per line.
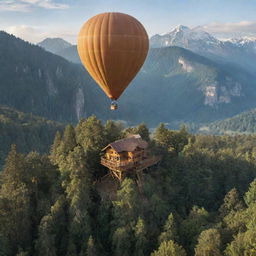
x=125, y=165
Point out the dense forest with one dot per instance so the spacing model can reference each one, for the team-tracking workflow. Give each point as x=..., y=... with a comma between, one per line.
x=242, y=123
x=200, y=200
x=27, y=131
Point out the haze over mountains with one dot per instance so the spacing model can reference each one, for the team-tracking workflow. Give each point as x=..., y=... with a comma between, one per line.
x=201, y=83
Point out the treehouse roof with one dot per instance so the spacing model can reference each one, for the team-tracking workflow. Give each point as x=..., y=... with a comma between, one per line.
x=128, y=144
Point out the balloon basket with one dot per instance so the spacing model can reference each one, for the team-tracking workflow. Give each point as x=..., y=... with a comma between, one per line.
x=113, y=105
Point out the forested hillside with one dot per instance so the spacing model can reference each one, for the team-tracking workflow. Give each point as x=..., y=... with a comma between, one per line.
x=27, y=131
x=181, y=86
x=242, y=123
x=199, y=201
x=34, y=80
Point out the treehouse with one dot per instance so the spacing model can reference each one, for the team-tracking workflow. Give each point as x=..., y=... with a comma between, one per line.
x=129, y=155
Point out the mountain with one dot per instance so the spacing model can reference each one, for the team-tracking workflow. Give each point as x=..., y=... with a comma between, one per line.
x=34, y=80
x=246, y=43
x=201, y=42
x=177, y=85
x=54, y=45
x=70, y=54
x=28, y=132
x=244, y=123
x=194, y=39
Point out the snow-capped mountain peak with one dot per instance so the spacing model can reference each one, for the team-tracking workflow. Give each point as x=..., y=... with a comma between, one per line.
x=184, y=37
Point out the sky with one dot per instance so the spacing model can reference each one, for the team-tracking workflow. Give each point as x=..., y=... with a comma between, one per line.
x=35, y=20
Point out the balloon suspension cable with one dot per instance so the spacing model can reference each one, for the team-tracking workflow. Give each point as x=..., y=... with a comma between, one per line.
x=113, y=105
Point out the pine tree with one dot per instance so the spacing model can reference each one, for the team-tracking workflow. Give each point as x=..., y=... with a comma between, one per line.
x=209, y=243
x=78, y=194
x=143, y=131
x=112, y=131
x=140, y=238
x=69, y=139
x=46, y=242
x=54, y=148
x=15, y=167
x=170, y=230
x=126, y=204
x=232, y=203
x=250, y=196
x=169, y=248
x=91, y=249
x=15, y=216
x=122, y=242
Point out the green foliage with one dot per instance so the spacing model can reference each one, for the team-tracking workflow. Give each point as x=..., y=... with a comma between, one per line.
x=169, y=248
x=91, y=249
x=141, y=242
x=243, y=123
x=193, y=225
x=232, y=203
x=28, y=132
x=62, y=205
x=170, y=230
x=122, y=241
x=171, y=140
x=250, y=196
x=209, y=243
x=243, y=244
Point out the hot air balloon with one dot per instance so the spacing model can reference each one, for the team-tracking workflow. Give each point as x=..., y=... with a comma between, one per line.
x=112, y=47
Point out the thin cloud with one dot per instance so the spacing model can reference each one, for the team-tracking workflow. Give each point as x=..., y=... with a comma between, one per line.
x=35, y=34
x=239, y=28
x=28, y=5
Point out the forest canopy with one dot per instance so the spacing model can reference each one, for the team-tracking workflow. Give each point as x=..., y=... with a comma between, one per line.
x=200, y=200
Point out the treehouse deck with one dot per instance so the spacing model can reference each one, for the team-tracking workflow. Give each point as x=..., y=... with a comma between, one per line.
x=120, y=168
x=128, y=155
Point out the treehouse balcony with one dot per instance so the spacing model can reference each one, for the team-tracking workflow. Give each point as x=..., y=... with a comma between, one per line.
x=126, y=165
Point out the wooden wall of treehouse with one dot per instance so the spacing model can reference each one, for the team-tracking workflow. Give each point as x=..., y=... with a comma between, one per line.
x=137, y=155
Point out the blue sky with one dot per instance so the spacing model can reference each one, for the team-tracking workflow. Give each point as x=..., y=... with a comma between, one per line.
x=34, y=20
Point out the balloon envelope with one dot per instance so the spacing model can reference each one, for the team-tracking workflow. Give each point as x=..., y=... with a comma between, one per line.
x=113, y=47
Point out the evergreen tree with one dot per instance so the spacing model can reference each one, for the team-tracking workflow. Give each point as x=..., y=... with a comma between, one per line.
x=243, y=244
x=126, y=204
x=231, y=204
x=170, y=230
x=90, y=134
x=54, y=148
x=15, y=167
x=52, y=231
x=69, y=139
x=140, y=238
x=250, y=196
x=209, y=243
x=15, y=216
x=143, y=131
x=122, y=241
x=113, y=131
x=46, y=242
x=78, y=193
x=169, y=248
x=192, y=226
x=91, y=249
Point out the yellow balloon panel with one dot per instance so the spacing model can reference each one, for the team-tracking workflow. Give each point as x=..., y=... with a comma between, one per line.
x=113, y=47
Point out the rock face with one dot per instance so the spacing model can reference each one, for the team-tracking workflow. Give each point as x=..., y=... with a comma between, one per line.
x=186, y=66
